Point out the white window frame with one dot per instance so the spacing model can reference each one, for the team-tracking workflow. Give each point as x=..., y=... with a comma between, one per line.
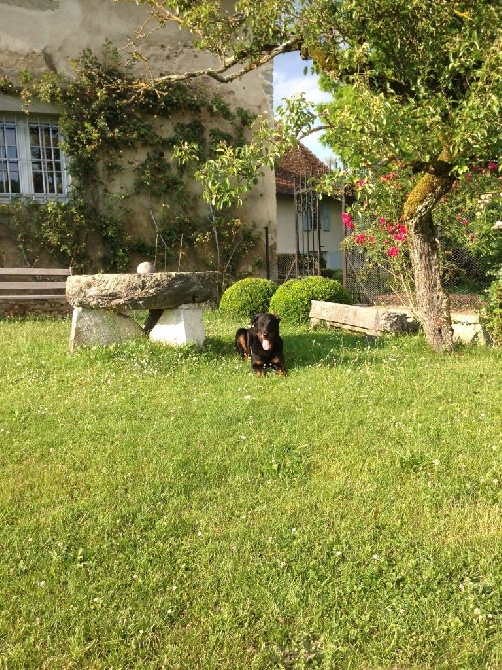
x=26, y=161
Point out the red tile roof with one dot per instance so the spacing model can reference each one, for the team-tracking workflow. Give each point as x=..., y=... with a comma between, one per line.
x=298, y=162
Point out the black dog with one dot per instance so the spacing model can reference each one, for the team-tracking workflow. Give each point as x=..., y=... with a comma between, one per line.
x=262, y=343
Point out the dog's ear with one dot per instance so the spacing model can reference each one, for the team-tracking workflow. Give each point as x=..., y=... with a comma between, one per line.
x=255, y=319
x=276, y=316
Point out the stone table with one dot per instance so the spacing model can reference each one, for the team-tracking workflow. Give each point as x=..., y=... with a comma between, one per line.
x=100, y=304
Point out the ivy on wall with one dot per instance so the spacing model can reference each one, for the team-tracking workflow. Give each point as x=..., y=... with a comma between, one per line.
x=118, y=141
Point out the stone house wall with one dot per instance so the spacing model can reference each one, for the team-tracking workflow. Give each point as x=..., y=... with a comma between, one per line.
x=45, y=35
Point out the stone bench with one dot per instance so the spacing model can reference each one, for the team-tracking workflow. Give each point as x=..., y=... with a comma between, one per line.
x=374, y=320
x=101, y=304
x=362, y=318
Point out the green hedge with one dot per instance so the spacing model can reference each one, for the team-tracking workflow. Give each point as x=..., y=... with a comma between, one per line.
x=247, y=297
x=493, y=311
x=292, y=300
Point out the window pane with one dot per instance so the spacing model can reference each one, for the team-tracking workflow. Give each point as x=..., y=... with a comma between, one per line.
x=10, y=134
x=38, y=182
x=15, y=184
x=34, y=136
x=12, y=152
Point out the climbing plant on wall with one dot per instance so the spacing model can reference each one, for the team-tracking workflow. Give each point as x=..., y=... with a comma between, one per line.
x=127, y=194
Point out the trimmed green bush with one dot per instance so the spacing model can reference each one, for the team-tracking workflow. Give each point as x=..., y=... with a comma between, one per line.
x=493, y=311
x=247, y=297
x=292, y=300
x=331, y=273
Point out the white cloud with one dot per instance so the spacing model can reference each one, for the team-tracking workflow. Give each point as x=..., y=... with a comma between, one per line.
x=289, y=79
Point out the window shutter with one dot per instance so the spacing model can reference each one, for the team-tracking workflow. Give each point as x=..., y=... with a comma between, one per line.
x=326, y=225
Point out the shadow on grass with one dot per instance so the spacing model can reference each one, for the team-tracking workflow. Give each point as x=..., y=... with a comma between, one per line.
x=304, y=347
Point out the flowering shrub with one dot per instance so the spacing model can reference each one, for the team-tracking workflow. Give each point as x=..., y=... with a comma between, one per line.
x=466, y=216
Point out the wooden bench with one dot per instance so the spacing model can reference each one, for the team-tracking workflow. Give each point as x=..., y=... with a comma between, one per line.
x=39, y=286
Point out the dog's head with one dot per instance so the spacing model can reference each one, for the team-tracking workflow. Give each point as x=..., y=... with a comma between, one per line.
x=266, y=327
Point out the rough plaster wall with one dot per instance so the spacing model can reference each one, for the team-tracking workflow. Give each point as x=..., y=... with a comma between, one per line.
x=286, y=221
x=42, y=35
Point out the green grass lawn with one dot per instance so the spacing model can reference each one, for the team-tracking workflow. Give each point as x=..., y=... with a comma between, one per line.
x=164, y=508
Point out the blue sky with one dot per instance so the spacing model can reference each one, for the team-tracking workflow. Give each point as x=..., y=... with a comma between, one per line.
x=289, y=78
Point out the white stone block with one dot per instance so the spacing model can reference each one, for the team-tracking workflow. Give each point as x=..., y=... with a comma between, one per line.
x=180, y=326
x=467, y=328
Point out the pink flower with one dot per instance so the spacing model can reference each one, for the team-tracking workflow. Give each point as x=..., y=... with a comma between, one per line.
x=492, y=166
x=347, y=220
x=360, y=239
x=393, y=252
x=389, y=176
x=399, y=237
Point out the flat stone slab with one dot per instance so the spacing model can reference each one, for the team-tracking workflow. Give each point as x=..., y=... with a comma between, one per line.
x=159, y=290
x=363, y=319
x=468, y=328
x=374, y=320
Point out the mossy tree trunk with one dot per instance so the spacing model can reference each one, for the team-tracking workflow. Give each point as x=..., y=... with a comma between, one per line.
x=431, y=299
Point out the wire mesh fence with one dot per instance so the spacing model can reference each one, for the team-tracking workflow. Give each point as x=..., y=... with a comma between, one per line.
x=293, y=266
x=464, y=269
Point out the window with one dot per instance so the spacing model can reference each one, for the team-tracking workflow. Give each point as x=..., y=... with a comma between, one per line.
x=315, y=215
x=31, y=161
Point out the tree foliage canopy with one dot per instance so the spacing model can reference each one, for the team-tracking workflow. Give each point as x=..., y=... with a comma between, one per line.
x=412, y=80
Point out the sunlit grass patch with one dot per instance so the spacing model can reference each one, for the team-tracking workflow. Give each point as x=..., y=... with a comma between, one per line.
x=163, y=507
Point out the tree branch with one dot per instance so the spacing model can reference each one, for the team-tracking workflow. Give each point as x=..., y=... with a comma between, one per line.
x=221, y=73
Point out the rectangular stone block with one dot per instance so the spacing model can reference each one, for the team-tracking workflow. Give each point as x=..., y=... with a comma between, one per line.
x=180, y=326
x=363, y=319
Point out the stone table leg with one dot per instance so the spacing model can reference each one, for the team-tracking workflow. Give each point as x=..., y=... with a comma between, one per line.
x=180, y=326
x=97, y=326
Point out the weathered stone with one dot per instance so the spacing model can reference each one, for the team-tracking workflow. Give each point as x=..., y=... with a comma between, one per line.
x=468, y=328
x=96, y=326
x=180, y=326
x=364, y=319
x=145, y=268
x=160, y=290
x=376, y=320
